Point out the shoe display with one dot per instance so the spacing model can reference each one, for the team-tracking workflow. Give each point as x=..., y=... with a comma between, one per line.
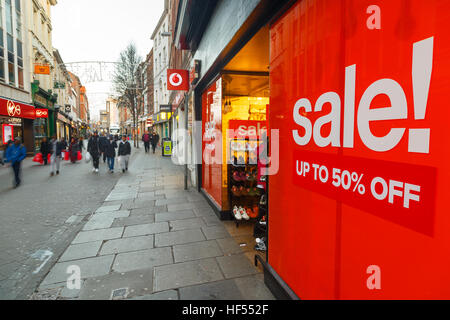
x=235, y=191
x=255, y=212
x=260, y=244
x=247, y=191
x=243, y=213
x=237, y=213
x=263, y=200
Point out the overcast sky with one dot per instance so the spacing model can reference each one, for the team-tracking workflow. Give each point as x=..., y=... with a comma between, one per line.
x=98, y=30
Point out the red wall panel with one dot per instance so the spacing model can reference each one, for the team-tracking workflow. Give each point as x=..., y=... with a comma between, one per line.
x=375, y=87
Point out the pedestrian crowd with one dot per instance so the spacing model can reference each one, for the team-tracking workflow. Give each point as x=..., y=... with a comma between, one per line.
x=99, y=147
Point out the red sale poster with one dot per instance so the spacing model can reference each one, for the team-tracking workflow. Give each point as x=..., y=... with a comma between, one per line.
x=359, y=207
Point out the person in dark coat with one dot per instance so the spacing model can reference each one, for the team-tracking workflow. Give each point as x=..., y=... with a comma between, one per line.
x=146, y=138
x=45, y=150
x=94, y=149
x=81, y=144
x=64, y=143
x=154, y=141
x=103, y=144
x=124, y=153
x=111, y=153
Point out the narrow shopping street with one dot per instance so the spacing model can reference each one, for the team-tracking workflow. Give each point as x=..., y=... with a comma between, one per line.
x=137, y=235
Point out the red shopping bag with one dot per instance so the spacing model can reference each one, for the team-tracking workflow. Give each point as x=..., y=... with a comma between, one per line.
x=66, y=156
x=38, y=158
x=79, y=156
x=49, y=158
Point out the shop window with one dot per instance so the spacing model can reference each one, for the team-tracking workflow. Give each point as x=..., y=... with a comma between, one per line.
x=2, y=54
x=245, y=102
x=20, y=64
x=9, y=17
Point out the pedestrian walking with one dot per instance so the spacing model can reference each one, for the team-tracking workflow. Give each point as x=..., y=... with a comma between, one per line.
x=56, y=149
x=15, y=154
x=124, y=153
x=74, y=147
x=45, y=150
x=111, y=153
x=154, y=141
x=146, y=139
x=103, y=144
x=64, y=143
x=81, y=144
x=94, y=149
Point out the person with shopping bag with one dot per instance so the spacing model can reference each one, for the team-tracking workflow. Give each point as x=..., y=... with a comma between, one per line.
x=45, y=150
x=73, y=150
x=124, y=153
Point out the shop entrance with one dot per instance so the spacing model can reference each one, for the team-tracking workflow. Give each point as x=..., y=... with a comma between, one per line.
x=235, y=108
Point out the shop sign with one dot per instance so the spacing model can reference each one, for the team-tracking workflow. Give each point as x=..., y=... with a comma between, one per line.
x=16, y=109
x=365, y=149
x=177, y=80
x=41, y=113
x=40, y=99
x=59, y=85
x=67, y=108
x=165, y=108
x=42, y=69
x=167, y=148
x=242, y=129
x=8, y=131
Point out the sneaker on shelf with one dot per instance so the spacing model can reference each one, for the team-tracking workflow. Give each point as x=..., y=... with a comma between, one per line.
x=260, y=245
x=237, y=213
x=263, y=200
x=244, y=213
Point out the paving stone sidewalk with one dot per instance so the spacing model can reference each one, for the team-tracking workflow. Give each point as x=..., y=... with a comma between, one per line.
x=152, y=240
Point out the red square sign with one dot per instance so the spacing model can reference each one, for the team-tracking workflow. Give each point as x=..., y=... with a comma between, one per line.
x=177, y=80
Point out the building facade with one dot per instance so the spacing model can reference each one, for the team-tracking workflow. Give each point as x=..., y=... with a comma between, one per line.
x=42, y=66
x=161, y=52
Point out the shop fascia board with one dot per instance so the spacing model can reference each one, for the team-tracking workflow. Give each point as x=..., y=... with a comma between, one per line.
x=187, y=26
x=265, y=12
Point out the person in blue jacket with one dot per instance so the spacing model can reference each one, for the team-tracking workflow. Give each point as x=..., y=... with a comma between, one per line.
x=15, y=154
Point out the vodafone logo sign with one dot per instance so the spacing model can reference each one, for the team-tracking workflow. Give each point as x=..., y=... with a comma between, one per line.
x=177, y=80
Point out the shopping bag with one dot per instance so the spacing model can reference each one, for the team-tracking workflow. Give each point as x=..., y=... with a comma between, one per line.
x=79, y=156
x=66, y=156
x=38, y=158
x=49, y=158
x=88, y=157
